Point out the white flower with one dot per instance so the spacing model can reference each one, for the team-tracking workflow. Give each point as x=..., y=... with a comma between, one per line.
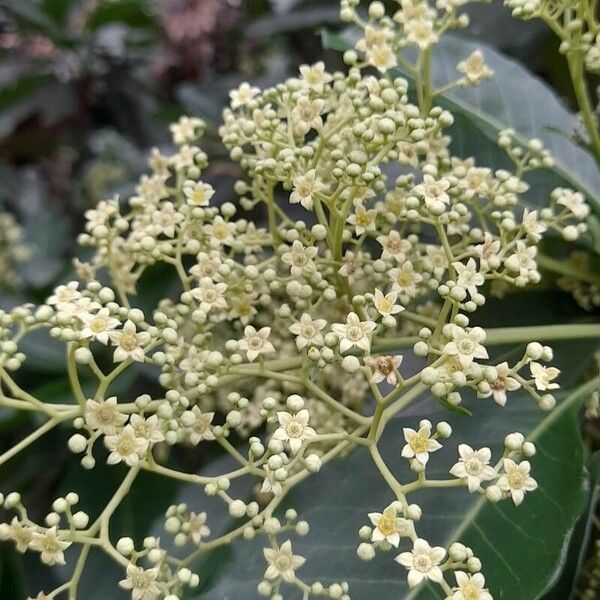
x=474, y=68
x=388, y=526
x=210, y=294
x=421, y=33
x=130, y=343
x=185, y=130
x=386, y=305
x=522, y=261
x=382, y=57
x=465, y=345
x=394, y=246
x=435, y=260
x=256, y=342
x=282, y=562
x=305, y=186
x=104, y=415
x=354, y=332
x=201, y=429
x=125, y=446
x=532, y=225
x=220, y=232
x=198, y=194
x=141, y=582
x=433, y=190
x=185, y=157
x=516, y=480
x=474, y=466
x=98, y=326
x=422, y=563
x=270, y=485
x=147, y=428
x=469, y=276
x=572, y=201
x=65, y=293
x=306, y=115
x=198, y=528
x=166, y=219
x=50, y=546
x=470, y=587
x=543, y=376
x=294, y=429
x=362, y=219
x=384, y=367
x=315, y=76
x=502, y=384
x=419, y=443
x=300, y=258
x=405, y=280
x=488, y=250
x=307, y=331
x=242, y=95
x=20, y=534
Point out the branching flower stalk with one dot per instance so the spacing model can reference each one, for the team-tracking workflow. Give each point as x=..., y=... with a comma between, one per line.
x=290, y=336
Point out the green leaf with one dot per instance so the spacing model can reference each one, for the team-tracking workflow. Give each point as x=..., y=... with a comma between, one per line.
x=513, y=98
x=508, y=539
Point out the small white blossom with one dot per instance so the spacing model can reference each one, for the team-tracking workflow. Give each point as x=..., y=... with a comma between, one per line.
x=388, y=526
x=502, y=384
x=544, y=376
x=141, y=582
x=98, y=326
x=305, y=187
x=466, y=345
x=386, y=305
x=125, y=446
x=256, y=342
x=104, y=415
x=129, y=343
x=516, y=480
x=354, y=332
x=422, y=562
x=474, y=466
x=282, y=562
x=470, y=587
x=468, y=276
x=419, y=443
x=50, y=546
x=243, y=95
x=198, y=194
x=308, y=331
x=474, y=68
x=294, y=429
x=384, y=368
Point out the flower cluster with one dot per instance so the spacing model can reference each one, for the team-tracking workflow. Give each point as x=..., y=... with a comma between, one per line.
x=281, y=332
x=13, y=250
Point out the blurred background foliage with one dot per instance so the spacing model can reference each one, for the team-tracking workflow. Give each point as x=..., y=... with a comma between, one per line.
x=87, y=88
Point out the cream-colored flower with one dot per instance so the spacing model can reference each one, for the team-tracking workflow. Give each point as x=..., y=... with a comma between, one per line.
x=572, y=201
x=468, y=276
x=306, y=115
x=515, y=480
x=141, y=582
x=50, y=546
x=125, y=446
x=243, y=95
x=20, y=534
x=104, y=415
x=256, y=342
x=544, y=376
x=470, y=587
x=300, y=258
x=315, y=76
x=502, y=384
x=166, y=219
x=98, y=326
x=282, y=562
x=306, y=185
x=386, y=304
x=129, y=343
x=522, y=261
x=421, y=33
x=201, y=429
x=466, y=345
x=394, y=246
x=532, y=225
x=220, y=232
x=382, y=57
x=388, y=526
x=147, y=428
x=308, y=331
x=210, y=295
x=384, y=367
x=186, y=129
x=474, y=68
x=198, y=193
x=197, y=527
x=422, y=562
x=474, y=466
x=487, y=251
x=362, y=219
x=294, y=429
x=354, y=332
x=405, y=280
x=419, y=443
